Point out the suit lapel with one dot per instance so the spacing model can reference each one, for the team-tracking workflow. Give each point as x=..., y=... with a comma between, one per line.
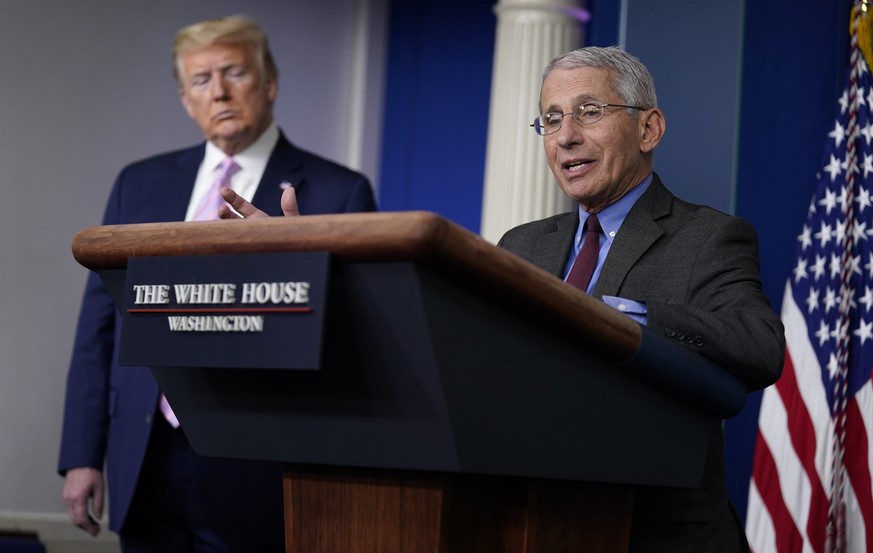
x=180, y=183
x=284, y=166
x=637, y=234
x=553, y=247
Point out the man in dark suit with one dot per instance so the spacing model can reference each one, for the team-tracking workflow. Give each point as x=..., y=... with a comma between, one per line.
x=163, y=498
x=684, y=270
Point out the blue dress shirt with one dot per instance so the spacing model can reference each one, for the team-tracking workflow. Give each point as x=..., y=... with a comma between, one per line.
x=611, y=218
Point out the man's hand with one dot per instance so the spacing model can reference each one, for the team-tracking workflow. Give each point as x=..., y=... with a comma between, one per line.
x=244, y=209
x=83, y=488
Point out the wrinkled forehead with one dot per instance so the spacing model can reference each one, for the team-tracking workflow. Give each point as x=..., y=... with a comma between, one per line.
x=563, y=89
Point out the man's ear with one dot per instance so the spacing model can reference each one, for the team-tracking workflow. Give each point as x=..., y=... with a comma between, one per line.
x=186, y=102
x=652, y=127
x=272, y=89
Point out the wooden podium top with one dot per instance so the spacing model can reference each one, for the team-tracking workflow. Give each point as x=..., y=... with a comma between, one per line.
x=417, y=236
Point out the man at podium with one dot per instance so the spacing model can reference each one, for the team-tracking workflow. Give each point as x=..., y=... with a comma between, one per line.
x=162, y=497
x=686, y=271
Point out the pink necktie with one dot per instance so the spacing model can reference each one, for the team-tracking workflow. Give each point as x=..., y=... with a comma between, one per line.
x=586, y=261
x=208, y=208
x=206, y=211
x=168, y=412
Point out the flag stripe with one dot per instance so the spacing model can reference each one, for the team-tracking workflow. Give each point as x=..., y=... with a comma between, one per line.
x=764, y=535
x=814, y=504
x=766, y=473
x=858, y=463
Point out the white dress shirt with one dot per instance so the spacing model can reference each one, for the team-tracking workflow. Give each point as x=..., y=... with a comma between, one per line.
x=252, y=162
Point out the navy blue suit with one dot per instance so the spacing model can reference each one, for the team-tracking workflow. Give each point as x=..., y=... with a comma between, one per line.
x=110, y=410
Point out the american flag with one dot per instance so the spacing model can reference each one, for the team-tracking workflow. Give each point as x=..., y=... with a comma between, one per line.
x=811, y=480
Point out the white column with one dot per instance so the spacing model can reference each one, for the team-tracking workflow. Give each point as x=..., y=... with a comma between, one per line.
x=519, y=186
x=365, y=94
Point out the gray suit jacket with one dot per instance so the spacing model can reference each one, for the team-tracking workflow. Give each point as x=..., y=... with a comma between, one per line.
x=697, y=271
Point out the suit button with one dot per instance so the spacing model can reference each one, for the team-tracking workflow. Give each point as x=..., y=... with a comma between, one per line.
x=148, y=418
x=699, y=342
x=669, y=332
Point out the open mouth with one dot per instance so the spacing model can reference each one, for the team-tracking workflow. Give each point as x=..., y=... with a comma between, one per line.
x=575, y=166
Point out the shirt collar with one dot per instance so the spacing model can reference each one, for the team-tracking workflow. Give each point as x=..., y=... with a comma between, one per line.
x=612, y=216
x=256, y=154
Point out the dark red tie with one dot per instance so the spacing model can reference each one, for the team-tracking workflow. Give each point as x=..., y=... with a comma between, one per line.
x=586, y=261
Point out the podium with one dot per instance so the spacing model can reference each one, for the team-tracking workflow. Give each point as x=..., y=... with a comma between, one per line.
x=466, y=401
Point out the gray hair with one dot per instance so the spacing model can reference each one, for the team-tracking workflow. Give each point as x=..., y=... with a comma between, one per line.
x=629, y=78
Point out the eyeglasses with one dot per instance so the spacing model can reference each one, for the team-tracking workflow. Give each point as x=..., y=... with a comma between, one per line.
x=584, y=114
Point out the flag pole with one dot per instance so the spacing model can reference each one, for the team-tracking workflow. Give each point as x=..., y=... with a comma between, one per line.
x=836, y=527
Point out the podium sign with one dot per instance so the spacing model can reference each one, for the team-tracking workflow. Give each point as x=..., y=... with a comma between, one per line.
x=237, y=311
